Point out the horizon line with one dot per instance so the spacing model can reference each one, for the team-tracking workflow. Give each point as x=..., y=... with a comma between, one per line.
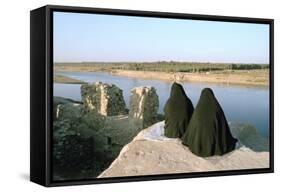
x=162, y=61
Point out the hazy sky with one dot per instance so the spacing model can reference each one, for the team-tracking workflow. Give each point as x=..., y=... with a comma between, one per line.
x=91, y=37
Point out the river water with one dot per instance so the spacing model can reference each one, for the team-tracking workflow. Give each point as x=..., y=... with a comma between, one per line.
x=240, y=103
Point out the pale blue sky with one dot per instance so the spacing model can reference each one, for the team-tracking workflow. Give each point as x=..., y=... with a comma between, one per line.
x=80, y=37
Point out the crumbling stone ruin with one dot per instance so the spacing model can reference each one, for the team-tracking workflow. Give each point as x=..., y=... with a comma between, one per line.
x=105, y=99
x=144, y=106
x=78, y=141
x=63, y=106
x=88, y=135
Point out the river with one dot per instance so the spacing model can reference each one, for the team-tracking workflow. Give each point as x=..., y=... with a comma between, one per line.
x=241, y=104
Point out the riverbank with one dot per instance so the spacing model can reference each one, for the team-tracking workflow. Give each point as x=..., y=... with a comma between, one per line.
x=235, y=77
x=229, y=77
x=66, y=80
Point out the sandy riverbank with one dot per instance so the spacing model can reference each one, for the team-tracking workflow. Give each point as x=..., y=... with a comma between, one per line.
x=234, y=77
x=252, y=78
x=66, y=80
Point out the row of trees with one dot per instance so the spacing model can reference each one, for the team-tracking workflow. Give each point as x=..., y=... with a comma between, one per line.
x=186, y=67
x=168, y=66
x=248, y=66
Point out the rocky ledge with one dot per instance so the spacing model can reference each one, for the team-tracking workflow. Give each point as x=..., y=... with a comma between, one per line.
x=150, y=152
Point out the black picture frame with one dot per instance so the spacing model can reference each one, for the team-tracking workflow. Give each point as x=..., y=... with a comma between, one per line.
x=41, y=92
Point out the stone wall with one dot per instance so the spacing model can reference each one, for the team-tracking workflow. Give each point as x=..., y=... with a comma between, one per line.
x=79, y=141
x=88, y=135
x=63, y=106
x=105, y=99
x=144, y=106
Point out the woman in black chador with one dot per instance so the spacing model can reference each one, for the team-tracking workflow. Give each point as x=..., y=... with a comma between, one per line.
x=208, y=132
x=178, y=111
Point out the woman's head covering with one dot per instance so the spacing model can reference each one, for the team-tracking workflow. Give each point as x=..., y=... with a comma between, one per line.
x=208, y=132
x=178, y=110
